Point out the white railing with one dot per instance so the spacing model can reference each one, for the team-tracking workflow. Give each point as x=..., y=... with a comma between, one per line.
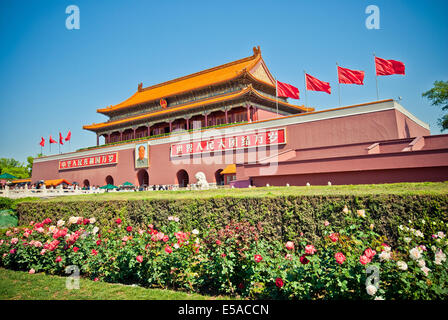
x=56, y=192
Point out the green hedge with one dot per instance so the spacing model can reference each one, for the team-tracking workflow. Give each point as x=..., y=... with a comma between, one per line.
x=283, y=218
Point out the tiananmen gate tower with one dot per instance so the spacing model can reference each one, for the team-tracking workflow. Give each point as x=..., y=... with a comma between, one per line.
x=227, y=123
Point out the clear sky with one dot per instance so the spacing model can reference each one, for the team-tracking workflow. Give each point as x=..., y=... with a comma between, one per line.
x=53, y=79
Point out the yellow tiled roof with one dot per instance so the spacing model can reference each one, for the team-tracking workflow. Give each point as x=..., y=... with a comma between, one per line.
x=220, y=98
x=193, y=81
x=55, y=182
x=230, y=169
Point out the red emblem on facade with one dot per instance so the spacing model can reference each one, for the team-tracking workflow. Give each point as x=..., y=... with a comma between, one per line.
x=163, y=103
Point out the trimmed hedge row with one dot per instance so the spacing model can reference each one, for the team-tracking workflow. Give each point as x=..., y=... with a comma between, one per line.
x=283, y=218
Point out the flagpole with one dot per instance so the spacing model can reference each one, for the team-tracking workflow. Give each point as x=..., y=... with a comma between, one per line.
x=339, y=85
x=376, y=78
x=276, y=96
x=306, y=95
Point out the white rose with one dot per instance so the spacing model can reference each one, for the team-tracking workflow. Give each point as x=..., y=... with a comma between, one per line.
x=441, y=235
x=415, y=253
x=92, y=220
x=379, y=298
x=425, y=270
x=407, y=239
x=371, y=290
x=402, y=265
x=384, y=256
x=60, y=223
x=95, y=230
x=421, y=263
x=195, y=231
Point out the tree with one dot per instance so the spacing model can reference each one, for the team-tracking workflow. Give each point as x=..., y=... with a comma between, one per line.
x=439, y=97
x=17, y=168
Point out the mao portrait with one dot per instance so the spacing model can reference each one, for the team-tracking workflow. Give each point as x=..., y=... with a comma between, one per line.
x=141, y=155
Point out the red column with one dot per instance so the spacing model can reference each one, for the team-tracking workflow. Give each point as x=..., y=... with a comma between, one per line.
x=134, y=134
x=226, y=120
x=121, y=135
x=248, y=113
x=188, y=124
x=171, y=126
x=206, y=120
x=97, y=139
x=149, y=130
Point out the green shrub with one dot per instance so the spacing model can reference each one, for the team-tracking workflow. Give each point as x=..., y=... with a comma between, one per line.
x=283, y=217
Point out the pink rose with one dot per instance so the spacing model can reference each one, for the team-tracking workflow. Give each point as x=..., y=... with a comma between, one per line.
x=32, y=271
x=340, y=258
x=289, y=245
x=140, y=259
x=288, y=256
x=310, y=249
x=326, y=223
x=364, y=259
x=369, y=253
x=118, y=221
x=334, y=237
x=258, y=258
x=14, y=240
x=94, y=252
x=168, y=249
x=58, y=259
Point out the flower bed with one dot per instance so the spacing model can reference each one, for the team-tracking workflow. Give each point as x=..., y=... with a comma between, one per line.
x=350, y=262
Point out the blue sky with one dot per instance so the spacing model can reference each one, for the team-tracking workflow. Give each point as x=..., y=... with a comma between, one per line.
x=53, y=79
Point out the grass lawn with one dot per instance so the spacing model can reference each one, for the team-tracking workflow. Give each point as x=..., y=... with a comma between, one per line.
x=19, y=285
x=422, y=188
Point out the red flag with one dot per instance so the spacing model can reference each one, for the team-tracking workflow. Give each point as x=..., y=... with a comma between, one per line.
x=61, y=138
x=348, y=76
x=52, y=140
x=69, y=135
x=42, y=142
x=388, y=67
x=315, y=84
x=286, y=90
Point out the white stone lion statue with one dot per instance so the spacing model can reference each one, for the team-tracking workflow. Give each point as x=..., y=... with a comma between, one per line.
x=202, y=181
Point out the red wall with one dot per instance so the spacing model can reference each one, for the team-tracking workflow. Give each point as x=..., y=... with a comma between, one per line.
x=370, y=127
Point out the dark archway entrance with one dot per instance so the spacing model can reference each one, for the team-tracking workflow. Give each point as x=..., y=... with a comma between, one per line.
x=143, y=177
x=219, y=178
x=109, y=180
x=182, y=178
x=86, y=183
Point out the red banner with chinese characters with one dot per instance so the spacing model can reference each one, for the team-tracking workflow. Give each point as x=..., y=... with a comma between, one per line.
x=96, y=160
x=243, y=141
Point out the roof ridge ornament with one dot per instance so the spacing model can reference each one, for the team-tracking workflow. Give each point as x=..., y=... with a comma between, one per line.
x=140, y=87
x=257, y=50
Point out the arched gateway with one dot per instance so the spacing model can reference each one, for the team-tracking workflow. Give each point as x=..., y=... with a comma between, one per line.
x=143, y=177
x=182, y=178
